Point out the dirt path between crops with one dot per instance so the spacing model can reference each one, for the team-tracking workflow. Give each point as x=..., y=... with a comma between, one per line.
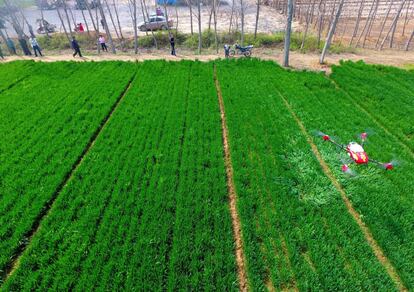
x=240, y=257
x=382, y=258
x=309, y=61
x=47, y=209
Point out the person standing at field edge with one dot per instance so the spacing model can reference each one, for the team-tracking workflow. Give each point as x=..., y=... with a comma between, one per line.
x=11, y=46
x=103, y=43
x=76, y=47
x=172, y=43
x=35, y=46
x=1, y=52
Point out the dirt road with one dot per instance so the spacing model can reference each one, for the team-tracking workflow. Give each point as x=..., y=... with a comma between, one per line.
x=307, y=61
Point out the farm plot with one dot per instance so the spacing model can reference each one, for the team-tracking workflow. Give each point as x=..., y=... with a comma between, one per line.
x=385, y=93
x=46, y=122
x=297, y=232
x=384, y=199
x=148, y=206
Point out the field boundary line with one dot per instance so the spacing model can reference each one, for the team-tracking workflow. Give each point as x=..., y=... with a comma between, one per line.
x=231, y=189
x=14, y=84
x=14, y=263
x=382, y=258
x=373, y=118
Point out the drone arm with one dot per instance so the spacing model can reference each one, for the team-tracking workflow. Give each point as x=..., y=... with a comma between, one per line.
x=337, y=144
x=388, y=165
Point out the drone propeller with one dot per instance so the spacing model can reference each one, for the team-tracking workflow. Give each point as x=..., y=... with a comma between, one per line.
x=324, y=136
x=346, y=169
x=364, y=135
x=390, y=165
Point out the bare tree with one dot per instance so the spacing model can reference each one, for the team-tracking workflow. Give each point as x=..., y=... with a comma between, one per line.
x=190, y=6
x=90, y=15
x=309, y=15
x=354, y=34
x=62, y=22
x=407, y=45
x=383, y=23
x=65, y=9
x=143, y=2
x=257, y=18
x=231, y=15
x=119, y=23
x=367, y=22
x=288, y=33
x=112, y=19
x=105, y=24
x=200, y=40
x=393, y=25
x=242, y=13
x=406, y=18
x=133, y=5
x=331, y=32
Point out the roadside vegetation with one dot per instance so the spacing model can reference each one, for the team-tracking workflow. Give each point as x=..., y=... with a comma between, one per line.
x=190, y=42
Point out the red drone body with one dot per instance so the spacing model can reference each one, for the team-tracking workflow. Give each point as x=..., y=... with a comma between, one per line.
x=357, y=153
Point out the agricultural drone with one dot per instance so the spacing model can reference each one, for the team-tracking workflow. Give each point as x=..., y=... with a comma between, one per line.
x=357, y=153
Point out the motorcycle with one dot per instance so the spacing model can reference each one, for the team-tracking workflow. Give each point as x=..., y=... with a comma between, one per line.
x=45, y=27
x=239, y=50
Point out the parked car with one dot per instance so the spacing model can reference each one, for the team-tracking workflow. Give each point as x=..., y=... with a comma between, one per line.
x=155, y=23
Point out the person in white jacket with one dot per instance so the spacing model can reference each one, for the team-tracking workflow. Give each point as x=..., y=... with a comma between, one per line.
x=35, y=46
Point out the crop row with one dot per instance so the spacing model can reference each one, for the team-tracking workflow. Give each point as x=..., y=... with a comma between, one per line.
x=12, y=73
x=384, y=199
x=384, y=92
x=148, y=206
x=46, y=123
x=297, y=231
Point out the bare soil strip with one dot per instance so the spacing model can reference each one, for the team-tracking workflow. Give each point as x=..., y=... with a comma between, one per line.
x=237, y=232
x=399, y=140
x=47, y=209
x=385, y=262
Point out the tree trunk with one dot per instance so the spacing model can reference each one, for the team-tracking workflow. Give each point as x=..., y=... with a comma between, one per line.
x=406, y=18
x=215, y=24
x=64, y=26
x=407, y=45
x=91, y=15
x=191, y=16
x=257, y=18
x=288, y=33
x=331, y=32
x=43, y=21
x=152, y=32
x=98, y=45
x=321, y=17
x=112, y=19
x=135, y=24
x=86, y=23
x=5, y=41
x=65, y=9
x=383, y=23
x=119, y=23
x=393, y=25
x=231, y=16
x=200, y=40
x=371, y=23
x=354, y=34
x=308, y=20
x=369, y=17
x=242, y=22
